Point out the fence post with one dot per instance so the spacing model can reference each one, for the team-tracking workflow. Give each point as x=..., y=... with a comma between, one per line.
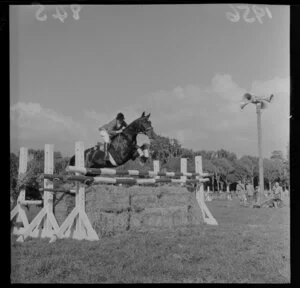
x=183, y=169
x=83, y=228
x=19, y=209
x=45, y=218
x=207, y=216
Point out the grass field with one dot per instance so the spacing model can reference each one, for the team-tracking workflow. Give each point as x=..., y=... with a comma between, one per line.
x=250, y=245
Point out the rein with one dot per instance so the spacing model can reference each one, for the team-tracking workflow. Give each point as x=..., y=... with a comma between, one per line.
x=127, y=128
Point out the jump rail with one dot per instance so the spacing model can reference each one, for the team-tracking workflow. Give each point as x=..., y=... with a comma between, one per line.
x=109, y=171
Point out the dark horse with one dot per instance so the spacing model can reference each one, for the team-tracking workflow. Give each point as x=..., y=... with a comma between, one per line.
x=123, y=146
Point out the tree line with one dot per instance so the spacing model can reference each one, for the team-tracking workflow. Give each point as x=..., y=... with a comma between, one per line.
x=225, y=166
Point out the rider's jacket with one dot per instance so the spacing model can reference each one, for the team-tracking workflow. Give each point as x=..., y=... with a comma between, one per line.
x=111, y=127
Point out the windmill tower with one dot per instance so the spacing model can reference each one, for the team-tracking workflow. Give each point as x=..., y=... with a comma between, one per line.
x=261, y=103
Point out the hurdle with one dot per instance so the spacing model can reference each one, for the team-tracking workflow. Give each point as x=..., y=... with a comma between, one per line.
x=19, y=210
x=44, y=224
x=85, y=230
x=77, y=225
x=77, y=217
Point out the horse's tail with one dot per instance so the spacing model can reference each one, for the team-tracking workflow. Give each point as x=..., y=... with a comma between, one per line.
x=72, y=161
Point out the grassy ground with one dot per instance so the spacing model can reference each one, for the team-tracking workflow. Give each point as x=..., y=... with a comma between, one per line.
x=249, y=246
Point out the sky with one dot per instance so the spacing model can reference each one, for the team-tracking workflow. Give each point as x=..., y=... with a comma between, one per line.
x=187, y=65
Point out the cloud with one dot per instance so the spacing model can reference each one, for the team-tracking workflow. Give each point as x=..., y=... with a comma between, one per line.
x=273, y=86
x=178, y=109
x=100, y=118
x=32, y=118
x=275, y=119
x=179, y=92
x=180, y=136
x=93, y=115
x=177, y=105
x=207, y=110
x=195, y=115
x=226, y=88
x=230, y=96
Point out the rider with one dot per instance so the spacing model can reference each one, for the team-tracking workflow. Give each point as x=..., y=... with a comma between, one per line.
x=110, y=129
x=256, y=195
x=277, y=193
x=249, y=191
x=240, y=189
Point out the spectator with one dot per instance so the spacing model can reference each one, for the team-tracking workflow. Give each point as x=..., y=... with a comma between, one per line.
x=229, y=196
x=240, y=190
x=277, y=193
x=256, y=194
x=249, y=192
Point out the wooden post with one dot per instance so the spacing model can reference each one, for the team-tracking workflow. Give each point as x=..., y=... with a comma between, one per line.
x=207, y=198
x=19, y=209
x=44, y=224
x=260, y=159
x=207, y=216
x=80, y=196
x=183, y=169
x=228, y=193
x=78, y=217
x=50, y=223
x=156, y=168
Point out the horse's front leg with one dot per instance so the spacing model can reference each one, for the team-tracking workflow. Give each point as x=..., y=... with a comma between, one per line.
x=142, y=146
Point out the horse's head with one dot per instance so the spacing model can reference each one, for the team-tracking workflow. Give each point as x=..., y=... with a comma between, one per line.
x=143, y=126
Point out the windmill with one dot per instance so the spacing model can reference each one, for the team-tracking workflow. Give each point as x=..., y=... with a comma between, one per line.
x=248, y=98
x=261, y=103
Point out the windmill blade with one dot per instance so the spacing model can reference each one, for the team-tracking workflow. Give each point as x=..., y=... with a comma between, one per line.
x=247, y=98
x=269, y=99
x=243, y=104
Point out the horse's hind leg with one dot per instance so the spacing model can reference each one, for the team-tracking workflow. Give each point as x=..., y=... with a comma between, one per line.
x=72, y=161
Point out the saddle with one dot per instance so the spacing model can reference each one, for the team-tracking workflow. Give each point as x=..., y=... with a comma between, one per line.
x=99, y=146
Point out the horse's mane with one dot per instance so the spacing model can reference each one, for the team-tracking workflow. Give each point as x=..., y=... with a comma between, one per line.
x=132, y=124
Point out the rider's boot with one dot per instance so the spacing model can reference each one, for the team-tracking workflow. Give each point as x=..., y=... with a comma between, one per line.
x=139, y=150
x=87, y=158
x=106, y=156
x=142, y=158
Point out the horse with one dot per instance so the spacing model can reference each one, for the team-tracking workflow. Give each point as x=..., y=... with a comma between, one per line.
x=123, y=146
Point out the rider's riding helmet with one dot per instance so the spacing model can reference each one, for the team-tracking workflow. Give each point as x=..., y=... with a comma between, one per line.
x=120, y=116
